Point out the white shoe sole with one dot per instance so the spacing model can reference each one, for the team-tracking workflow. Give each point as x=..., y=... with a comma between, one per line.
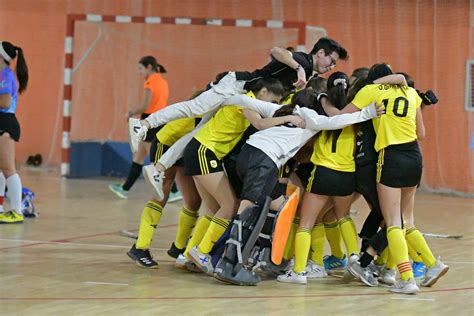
x=436, y=278
x=412, y=290
x=196, y=261
x=292, y=281
x=148, y=174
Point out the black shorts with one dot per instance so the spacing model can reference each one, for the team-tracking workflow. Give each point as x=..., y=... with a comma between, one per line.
x=259, y=175
x=400, y=166
x=151, y=133
x=303, y=171
x=230, y=166
x=366, y=184
x=9, y=124
x=157, y=150
x=200, y=160
x=325, y=181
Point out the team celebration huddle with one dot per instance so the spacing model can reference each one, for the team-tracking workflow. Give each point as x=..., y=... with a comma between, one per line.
x=269, y=163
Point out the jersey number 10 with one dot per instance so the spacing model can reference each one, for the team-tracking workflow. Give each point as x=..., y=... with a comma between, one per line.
x=399, y=102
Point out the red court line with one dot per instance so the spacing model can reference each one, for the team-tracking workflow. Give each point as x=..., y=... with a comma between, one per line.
x=160, y=298
x=65, y=240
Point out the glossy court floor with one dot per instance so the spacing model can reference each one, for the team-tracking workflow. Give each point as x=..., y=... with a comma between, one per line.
x=71, y=260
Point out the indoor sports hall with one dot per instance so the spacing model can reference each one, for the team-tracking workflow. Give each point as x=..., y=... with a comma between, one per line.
x=84, y=230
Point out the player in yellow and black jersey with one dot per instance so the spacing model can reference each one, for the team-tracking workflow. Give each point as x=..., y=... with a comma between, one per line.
x=203, y=160
x=153, y=209
x=332, y=175
x=399, y=165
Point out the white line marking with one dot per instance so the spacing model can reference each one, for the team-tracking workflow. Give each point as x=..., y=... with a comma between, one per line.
x=106, y=283
x=60, y=243
x=460, y=262
x=412, y=299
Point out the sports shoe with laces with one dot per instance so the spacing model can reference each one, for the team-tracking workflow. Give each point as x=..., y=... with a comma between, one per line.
x=136, y=132
x=142, y=258
x=419, y=269
x=315, y=271
x=433, y=274
x=292, y=277
x=363, y=274
x=11, y=217
x=155, y=180
x=118, y=190
x=405, y=287
x=332, y=263
x=202, y=260
x=174, y=251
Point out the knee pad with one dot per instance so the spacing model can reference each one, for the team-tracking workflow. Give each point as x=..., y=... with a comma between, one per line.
x=243, y=236
x=379, y=241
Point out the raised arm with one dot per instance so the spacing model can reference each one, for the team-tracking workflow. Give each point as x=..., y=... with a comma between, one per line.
x=420, y=125
x=318, y=122
x=286, y=57
x=202, y=104
x=265, y=109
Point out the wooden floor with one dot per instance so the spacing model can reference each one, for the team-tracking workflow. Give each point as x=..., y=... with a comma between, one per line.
x=71, y=260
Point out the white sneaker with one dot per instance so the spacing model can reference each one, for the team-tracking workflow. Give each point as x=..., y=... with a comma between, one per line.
x=155, y=179
x=405, y=287
x=292, y=277
x=433, y=274
x=388, y=276
x=363, y=274
x=202, y=260
x=181, y=262
x=136, y=133
x=315, y=271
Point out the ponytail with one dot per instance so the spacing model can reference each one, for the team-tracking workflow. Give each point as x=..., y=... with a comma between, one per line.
x=21, y=71
x=150, y=60
x=8, y=52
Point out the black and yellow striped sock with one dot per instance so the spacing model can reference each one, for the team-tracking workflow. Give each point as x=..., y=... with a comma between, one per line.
x=302, y=245
x=151, y=215
x=333, y=234
x=318, y=241
x=214, y=232
x=349, y=234
x=186, y=222
x=416, y=240
x=399, y=252
x=290, y=244
x=201, y=227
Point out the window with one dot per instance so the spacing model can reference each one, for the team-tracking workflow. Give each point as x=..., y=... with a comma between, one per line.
x=469, y=103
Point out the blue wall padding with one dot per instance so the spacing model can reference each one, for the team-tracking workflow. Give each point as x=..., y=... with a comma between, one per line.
x=94, y=159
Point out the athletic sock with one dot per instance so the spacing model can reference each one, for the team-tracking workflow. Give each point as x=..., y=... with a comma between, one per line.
x=382, y=259
x=133, y=174
x=318, y=241
x=202, y=225
x=150, y=218
x=214, y=232
x=333, y=234
x=290, y=244
x=365, y=259
x=349, y=234
x=14, y=192
x=399, y=252
x=302, y=245
x=186, y=222
x=418, y=242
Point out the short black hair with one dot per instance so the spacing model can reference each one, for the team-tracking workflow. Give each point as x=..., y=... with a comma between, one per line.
x=329, y=46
